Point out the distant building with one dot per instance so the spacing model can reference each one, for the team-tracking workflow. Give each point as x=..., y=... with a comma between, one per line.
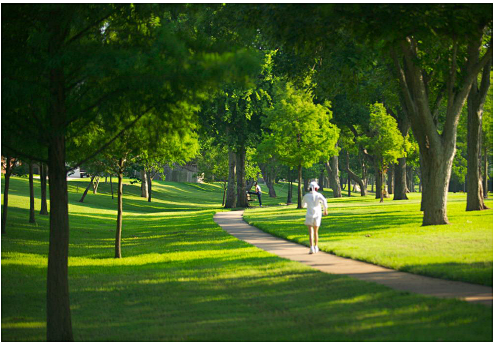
x=177, y=173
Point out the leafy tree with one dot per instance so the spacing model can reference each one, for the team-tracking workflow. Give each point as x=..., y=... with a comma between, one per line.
x=87, y=62
x=299, y=131
x=385, y=141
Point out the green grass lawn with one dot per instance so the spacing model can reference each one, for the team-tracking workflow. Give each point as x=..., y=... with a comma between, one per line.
x=182, y=278
x=390, y=234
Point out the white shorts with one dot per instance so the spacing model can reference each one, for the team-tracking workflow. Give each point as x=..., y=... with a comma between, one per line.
x=313, y=221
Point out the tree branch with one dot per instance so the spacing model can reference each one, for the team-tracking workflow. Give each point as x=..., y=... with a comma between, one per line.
x=104, y=146
x=21, y=154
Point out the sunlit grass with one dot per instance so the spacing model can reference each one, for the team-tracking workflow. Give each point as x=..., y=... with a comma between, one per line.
x=390, y=234
x=182, y=278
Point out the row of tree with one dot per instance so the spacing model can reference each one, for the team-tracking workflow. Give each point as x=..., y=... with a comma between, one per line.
x=263, y=85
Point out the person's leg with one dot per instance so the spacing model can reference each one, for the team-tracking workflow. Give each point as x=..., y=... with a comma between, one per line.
x=316, y=238
x=311, y=239
x=259, y=197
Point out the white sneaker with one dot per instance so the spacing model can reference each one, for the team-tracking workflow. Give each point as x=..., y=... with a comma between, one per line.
x=312, y=250
x=316, y=249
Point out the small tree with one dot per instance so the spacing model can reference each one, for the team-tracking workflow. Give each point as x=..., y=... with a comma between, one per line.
x=299, y=131
x=385, y=140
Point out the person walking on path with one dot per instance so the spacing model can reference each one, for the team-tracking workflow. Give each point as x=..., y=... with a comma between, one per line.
x=313, y=201
x=257, y=191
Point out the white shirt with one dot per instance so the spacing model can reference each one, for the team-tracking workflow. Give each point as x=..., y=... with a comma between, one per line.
x=312, y=201
x=258, y=189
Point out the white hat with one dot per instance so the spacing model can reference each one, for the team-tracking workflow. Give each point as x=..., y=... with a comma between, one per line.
x=313, y=186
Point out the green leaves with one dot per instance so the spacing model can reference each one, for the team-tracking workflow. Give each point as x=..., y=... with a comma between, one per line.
x=298, y=131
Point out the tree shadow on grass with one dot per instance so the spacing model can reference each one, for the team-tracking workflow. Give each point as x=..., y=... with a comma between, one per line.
x=474, y=272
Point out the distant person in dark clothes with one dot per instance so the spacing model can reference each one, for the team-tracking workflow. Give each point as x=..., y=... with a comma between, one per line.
x=257, y=191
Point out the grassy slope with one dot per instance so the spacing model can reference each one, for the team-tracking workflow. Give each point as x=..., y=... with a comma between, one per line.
x=390, y=234
x=183, y=278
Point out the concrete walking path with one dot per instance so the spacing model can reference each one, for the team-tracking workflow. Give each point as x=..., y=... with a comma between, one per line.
x=233, y=223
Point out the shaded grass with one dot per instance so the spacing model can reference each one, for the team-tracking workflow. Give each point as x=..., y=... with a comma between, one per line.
x=182, y=278
x=390, y=234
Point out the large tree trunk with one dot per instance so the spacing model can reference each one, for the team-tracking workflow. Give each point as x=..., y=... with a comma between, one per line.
x=150, y=182
x=332, y=167
x=476, y=102
x=118, y=233
x=144, y=184
x=400, y=186
x=8, y=172
x=44, y=205
x=58, y=325
x=240, y=162
x=230, y=202
x=87, y=189
x=32, y=218
x=437, y=150
x=299, y=186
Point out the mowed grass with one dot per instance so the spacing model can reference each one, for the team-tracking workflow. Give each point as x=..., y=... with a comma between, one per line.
x=182, y=278
x=390, y=234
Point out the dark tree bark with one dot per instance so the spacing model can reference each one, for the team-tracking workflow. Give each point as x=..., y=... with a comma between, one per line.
x=8, y=172
x=224, y=193
x=299, y=186
x=44, y=205
x=474, y=178
x=111, y=186
x=240, y=161
x=32, y=218
x=348, y=176
x=59, y=324
x=118, y=233
x=230, y=202
x=87, y=189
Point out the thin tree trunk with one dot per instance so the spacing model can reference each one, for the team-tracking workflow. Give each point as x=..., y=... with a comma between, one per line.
x=474, y=178
x=348, y=177
x=111, y=185
x=87, y=189
x=150, y=181
x=289, y=190
x=230, y=202
x=44, y=204
x=144, y=184
x=8, y=172
x=118, y=233
x=240, y=162
x=95, y=184
x=265, y=172
x=485, y=174
x=378, y=180
x=299, y=184
x=32, y=218
x=390, y=181
x=382, y=176
x=224, y=192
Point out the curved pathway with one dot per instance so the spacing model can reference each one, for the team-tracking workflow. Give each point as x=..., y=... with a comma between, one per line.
x=233, y=223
